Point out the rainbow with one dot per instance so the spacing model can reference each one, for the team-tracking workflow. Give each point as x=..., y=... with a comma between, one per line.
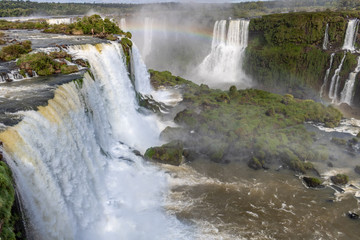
x=205, y=34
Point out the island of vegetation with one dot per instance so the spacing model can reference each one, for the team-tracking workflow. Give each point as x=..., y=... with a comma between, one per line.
x=257, y=127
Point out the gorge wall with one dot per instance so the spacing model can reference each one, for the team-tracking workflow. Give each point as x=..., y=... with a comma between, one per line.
x=287, y=52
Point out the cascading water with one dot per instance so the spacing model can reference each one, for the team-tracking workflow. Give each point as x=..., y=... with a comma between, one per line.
x=326, y=37
x=224, y=63
x=74, y=165
x=148, y=36
x=10, y=76
x=351, y=34
x=326, y=78
x=347, y=93
x=334, y=84
x=123, y=24
x=142, y=77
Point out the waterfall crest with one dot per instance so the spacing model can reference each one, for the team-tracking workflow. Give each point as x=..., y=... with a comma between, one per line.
x=74, y=165
x=351, y=34
x=347, y=93
x=224, y=63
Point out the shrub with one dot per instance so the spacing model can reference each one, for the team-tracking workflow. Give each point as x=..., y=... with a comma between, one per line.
x=14, y=51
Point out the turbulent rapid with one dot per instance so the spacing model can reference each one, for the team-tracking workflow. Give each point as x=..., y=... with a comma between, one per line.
x=74, y=164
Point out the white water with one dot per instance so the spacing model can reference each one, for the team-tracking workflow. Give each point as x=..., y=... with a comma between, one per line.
x=224, y=63
x=351, y=34
x=347, y=93
x=335, y=81
x=148, y=36
x=53, y=21
x=11, y=76
x=73, y=164
x=142, y=76
x=326, y=37
x=122, y=24
x=326, y=78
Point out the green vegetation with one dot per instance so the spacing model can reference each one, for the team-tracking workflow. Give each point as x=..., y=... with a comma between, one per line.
x=6, y=25
x=7, y=198
x=312, y=182
x=44, y=64
x=87, y=25
x=285, y=50
x=340, y=179
x=170, y=153
x=14, y=51
x=126, y=44
x=251, y=125
x=2, y=41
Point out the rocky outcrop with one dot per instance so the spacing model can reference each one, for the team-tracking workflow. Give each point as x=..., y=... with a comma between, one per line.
x=170, y=153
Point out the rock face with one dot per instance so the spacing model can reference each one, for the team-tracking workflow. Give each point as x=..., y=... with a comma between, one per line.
x=312, y=182
x=170, y=153
x=340, y=179
x=353, y=215
x=357, y=169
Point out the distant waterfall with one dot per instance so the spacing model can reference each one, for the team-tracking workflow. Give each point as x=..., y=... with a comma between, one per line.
x=347, y=93
x=224, y=63
x=148, y=37
x=334, y=84
x=326, y=37
x=351, y=34
x=123, y=24
x=74, y=165
x=326, y=78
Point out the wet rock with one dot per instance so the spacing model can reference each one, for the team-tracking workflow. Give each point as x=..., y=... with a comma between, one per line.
x=312, y=182
x=338, y=189
x=255, y=163
x=330, y=164
x=170, y=153
x=137, y=153
x=357, y=169
x=340, y=179
x=353, y=215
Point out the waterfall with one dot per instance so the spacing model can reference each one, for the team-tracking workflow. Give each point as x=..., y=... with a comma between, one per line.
x=148, y=36
x=326, y=37
x=351, y=34
x=74, y=165
x=335, y=81
x=123, y=24
x=326, y=78
x=224, y=63
x=142, y=76
x=347, y=93
x=10, y=76
x=219, y=33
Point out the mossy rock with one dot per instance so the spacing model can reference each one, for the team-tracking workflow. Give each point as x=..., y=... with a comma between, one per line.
x=67, y=69
x=312, y=182
x=255, y=163
x=358, y=135
x=340, y=179
x=170, y=153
